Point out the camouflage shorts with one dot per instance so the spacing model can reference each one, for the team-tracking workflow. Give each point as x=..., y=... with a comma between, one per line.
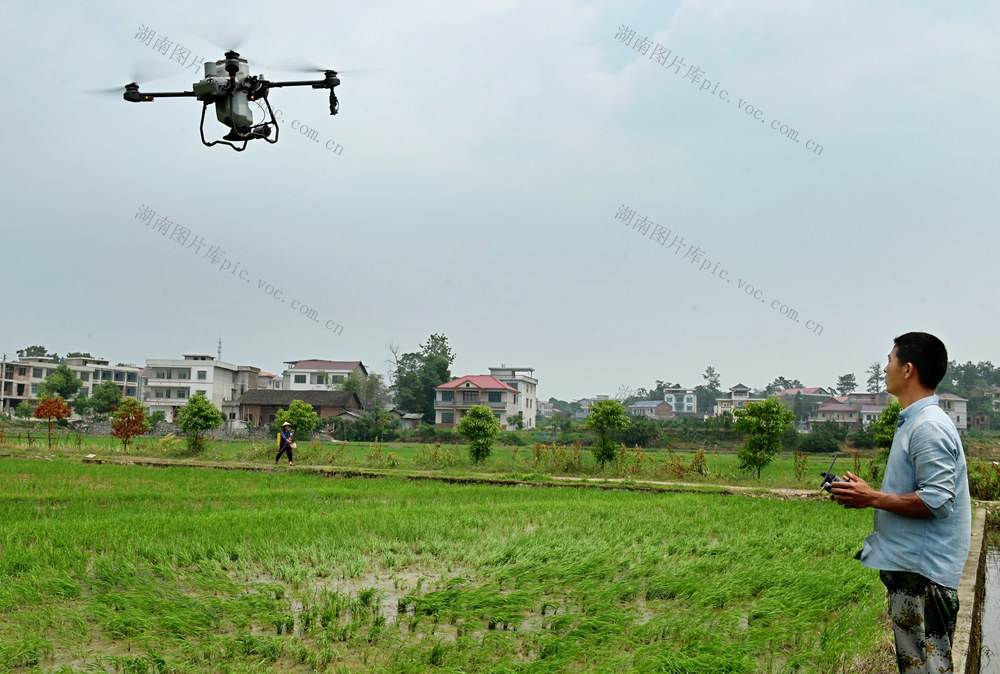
x=923, y=620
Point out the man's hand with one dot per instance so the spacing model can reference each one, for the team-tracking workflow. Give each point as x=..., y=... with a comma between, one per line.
x=854, y=493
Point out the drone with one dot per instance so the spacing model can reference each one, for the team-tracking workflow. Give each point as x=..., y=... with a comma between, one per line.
x=230, y=86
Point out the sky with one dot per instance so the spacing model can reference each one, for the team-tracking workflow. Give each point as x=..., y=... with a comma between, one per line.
x=610, y=193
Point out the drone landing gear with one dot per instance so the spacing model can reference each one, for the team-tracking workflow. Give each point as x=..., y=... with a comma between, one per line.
x=244, y=133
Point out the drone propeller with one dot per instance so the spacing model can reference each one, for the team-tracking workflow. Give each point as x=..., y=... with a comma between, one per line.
x=225, y=36
x=143, y=72
x=295, y=65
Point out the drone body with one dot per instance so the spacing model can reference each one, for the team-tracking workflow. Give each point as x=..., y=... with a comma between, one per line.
x=229, y=85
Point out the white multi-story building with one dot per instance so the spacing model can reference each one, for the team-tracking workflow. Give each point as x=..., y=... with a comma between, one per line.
x=31, y=371
x=682, y=400
x=168, y=383
x=527, y=385
x=738, y=398
x=318, y=375
x=957, y=410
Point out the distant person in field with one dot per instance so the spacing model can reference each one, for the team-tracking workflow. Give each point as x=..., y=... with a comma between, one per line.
x=923, y=517
x=285, y=443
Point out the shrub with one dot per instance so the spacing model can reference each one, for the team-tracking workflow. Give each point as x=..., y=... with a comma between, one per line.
x=984, y=480
x=510, y=438
x=819, y=441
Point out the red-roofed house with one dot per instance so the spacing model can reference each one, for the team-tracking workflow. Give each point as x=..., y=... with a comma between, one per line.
x=836, y=411
x=318, y=375
x=453, y=399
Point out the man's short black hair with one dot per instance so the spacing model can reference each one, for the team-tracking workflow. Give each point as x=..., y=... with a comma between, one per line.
x=927, y=353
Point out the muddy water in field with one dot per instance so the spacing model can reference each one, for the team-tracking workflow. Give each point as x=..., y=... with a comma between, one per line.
x=990, y=654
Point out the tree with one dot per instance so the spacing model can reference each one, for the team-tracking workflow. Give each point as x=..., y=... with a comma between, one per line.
x=51, y=409
x=884, y=427
x=33, y=351
x=129, y=421
x=763, y=424
x=437, y=345
x=707, y=393
x=781, y=384
x=562, y=422
x=302, y=418
x=105, y=398
x=517, y=421
x=197, y=416
x=876, y=377
x=61, y=383
x=846, y=383
x=371, y=390
x=641, y=431
x=606, y=415
x=373, y=425
x=821, y=439
x=81, y=404
x=156, y=418
x=712, y=381
x=23, y=410
x=79, y=354
x=480, y=427
x=416, y=375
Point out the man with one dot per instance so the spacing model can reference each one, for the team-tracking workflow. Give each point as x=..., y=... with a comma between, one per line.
x=285, y=443
x=923, y=516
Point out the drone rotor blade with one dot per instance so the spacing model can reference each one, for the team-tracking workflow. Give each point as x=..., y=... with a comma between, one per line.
x=143, y=71
x=298, y=65
x=225, y=36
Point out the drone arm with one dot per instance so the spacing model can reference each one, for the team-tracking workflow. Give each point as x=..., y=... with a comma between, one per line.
x=140, y=97
x=315, y=84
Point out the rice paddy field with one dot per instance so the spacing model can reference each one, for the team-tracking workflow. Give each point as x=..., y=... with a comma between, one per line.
x=143, y=569
x=539, y=460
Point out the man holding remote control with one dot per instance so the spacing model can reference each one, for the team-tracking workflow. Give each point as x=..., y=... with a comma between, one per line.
x=923, y=516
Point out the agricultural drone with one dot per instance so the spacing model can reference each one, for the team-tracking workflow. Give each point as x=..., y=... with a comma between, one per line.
x=230, y=86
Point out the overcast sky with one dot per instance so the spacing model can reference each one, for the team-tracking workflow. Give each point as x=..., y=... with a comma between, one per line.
x=484, y=178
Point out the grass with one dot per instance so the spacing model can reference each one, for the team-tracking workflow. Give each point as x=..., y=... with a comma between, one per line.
x=128, y=568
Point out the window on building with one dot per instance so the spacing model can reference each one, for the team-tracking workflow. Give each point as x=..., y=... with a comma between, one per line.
x=84, y=376
x=119, y=376
x=321, y=379
x=470, y=396
x=82, y=391
x=130, y=391
x=34, y=389
x=300, y=379
x=161, y=374
x=201, y=392
x=495, y=396
x=447, y=417
x=202, y=375
x=131, y=377
x=37, y=373
x=447, y=396
x=183, y=374
x=182, y=393
x=159, y=393
x=337, y=378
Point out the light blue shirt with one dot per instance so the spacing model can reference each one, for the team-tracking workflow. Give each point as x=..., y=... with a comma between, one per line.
x=926, y=458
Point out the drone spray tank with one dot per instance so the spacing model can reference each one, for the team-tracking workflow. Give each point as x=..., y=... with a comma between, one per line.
x=222, y=84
